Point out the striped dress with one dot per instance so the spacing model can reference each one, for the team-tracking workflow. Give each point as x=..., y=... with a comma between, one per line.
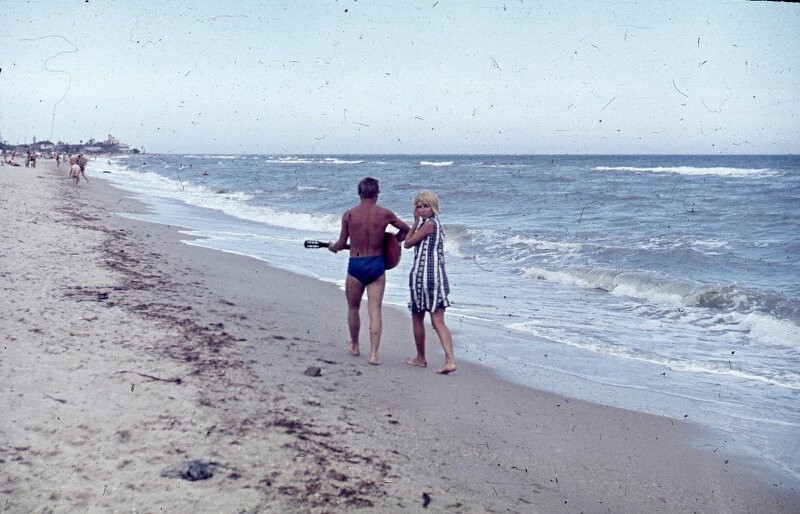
x=427, y=280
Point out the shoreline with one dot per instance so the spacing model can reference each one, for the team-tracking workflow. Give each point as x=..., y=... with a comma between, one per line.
x=239, y=336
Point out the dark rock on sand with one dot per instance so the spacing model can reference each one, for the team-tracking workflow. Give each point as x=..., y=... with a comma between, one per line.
x=192, y=470
x=313, y=371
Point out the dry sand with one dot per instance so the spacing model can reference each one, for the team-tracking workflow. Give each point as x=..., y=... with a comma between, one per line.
x=126, y=352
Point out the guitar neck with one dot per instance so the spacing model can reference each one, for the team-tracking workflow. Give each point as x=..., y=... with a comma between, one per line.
x=322, y=244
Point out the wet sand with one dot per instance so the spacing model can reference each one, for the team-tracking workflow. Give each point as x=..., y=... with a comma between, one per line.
x=127, y=353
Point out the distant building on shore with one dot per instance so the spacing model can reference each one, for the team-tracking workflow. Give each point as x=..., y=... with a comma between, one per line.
x=111, y=146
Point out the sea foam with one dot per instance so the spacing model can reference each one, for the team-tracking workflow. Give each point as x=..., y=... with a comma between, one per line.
x=691, y=170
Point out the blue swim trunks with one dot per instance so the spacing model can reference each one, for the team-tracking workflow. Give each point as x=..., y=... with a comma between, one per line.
x=366, y=269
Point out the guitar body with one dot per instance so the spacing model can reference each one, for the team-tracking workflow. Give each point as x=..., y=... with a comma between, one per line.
x=391, y=251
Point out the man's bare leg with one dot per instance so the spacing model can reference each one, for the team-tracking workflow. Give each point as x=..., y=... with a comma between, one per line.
x=374, y=304
x=354, y=291
x=418, y=326
x=437, y=319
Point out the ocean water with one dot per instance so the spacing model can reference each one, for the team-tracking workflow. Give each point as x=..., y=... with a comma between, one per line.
x=662, y=284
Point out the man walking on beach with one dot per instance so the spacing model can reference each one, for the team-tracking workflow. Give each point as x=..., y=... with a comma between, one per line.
x=365, y=226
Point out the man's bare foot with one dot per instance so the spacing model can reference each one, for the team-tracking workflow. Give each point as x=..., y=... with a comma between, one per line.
x=447, y=369
x=353, y=348
x=374, y=360
x=417, y=362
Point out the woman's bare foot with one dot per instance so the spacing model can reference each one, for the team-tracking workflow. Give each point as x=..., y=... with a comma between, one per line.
x=353, y=348
x=416, y=361
x=374, y=360
x=447, y=369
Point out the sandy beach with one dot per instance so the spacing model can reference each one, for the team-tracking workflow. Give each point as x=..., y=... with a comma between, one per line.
x=127, y=353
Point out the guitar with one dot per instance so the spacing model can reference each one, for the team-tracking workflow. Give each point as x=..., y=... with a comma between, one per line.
x=391, y=249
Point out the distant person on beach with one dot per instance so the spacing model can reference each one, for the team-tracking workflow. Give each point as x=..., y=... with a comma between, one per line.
x=428, y=280
x=364, y=225
x=11, y=158
x=58, y=161
x=77, y=167
x=75, y=173
x=82, y=162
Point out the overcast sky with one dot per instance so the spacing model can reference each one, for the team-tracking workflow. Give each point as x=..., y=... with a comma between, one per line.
x=405, y=76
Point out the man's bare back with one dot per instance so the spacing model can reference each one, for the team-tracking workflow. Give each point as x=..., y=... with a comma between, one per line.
x=366, y=224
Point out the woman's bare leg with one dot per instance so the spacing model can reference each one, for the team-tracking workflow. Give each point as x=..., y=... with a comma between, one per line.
x=418, y=325
x=446, y=338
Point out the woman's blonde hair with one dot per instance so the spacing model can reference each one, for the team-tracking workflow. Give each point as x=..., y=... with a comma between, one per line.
x=429, y=197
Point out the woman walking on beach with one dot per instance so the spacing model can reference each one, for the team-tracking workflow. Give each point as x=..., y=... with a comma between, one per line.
x=428, y=280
